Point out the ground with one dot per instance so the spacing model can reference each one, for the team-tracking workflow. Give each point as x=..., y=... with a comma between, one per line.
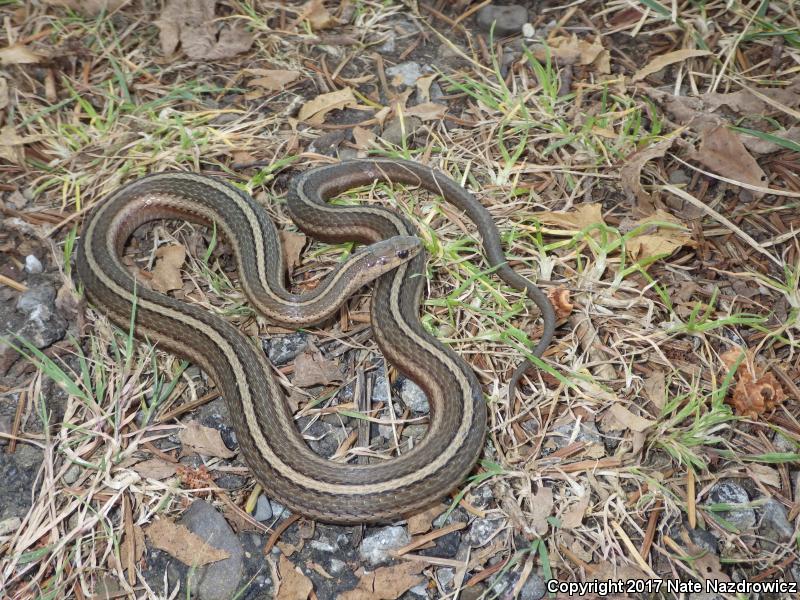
x=641, y=160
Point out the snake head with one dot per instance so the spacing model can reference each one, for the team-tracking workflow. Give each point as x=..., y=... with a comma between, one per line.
x=381, y=257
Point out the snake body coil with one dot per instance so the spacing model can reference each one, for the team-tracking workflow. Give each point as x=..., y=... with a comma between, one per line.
x=272, y=446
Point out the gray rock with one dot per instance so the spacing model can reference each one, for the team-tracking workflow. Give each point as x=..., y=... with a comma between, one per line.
x=679, y=177
x=6, y=423
x=508, y=19
x=281, y=349
x=33, y=264
x=405, y=73
x=375, y=548
x=337, y=566
x=388, y=46
x=413, y=397
x=72, y=474
x=445, y=575
x=35, y=319
x=380, y=386
x=534, y=588
x=397, y=130
x=730, y=492
x=483, y=530
x=18, y=473
x=279, y=510
x=9, y=526
x=783, y=443
x=324, y=438
x=587, y=433
x=323, y=545
x=219, y=580
x=263, y=510
x=775, y=524
x=421, y=590
x=704, y=539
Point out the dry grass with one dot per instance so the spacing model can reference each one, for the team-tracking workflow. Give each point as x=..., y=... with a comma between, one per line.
x=645, y=332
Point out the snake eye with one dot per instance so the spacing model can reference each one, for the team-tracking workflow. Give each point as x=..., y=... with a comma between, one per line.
x=402, y=254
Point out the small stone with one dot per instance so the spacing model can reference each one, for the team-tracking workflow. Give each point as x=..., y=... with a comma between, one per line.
x=679, y=177
x=37, y=299
x=445, y=575
x=380, y=386
x=72, y=474
x=263, y=510
x=704, y=539
x=337, y=566
x=376, y=547
x=11, y=525
x=507, y=19
x=729, y=492
x=279, y=510
x=534, y=588
x=219, y=580
x=398, y=130
x=414, y=397
x=33, y=264
x=5, y=427
x=483, y=530
x=323, y=546
x=528, y=31
x=388, y=46
x=282, y=349
x=405, y=73
x=775, y=524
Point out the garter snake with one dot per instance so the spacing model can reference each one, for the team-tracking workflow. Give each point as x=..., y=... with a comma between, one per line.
x=286, y=467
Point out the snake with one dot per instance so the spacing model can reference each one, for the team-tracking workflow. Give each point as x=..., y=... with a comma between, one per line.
x=289, y=471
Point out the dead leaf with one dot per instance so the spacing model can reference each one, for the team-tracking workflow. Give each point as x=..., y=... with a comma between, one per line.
x=560, y=299
x=292, y=243
x=11, y=145
x=90, y=7
x=753, y=101
x=108, y=587
x=193, y=25
x=317, y=15
x=424, y=87
x=762, y=146
x=764, y=474
x=177, y=541
x=167, y=272
x=421, y=522
x=275, y=80
x=155, y=468
x=578, y=219
x=573, y=516
x=663, y=60
x=628, y=420
x=723, y=152
x=541, y=509
x=314, y=111
x=18, y=54
x=655, y=388
x=428, y=111
x=364, y=138
x=569, y=50
x=757, y=390
x=3, y=93
x=203, y=440
x=631, y=173
x=137, y=544
x=294, y=584
x=311, y=368
x=387, y=583
x=661, y=240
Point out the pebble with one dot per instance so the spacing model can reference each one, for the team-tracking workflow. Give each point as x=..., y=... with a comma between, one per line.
x=33, y=264
x=380, y=387
x=775, y=524
x=414, y=397
x=729, y=492
x=282, y=349
x=6, y=423
x=72, y=474
x=263, y=510
x=528, y=31
x=375, y=548
x=483, y=530
x=398, y=130
x=337, y=566
x=507, y=19
x=219, y=580
x=405, y=73
x=10, y=525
